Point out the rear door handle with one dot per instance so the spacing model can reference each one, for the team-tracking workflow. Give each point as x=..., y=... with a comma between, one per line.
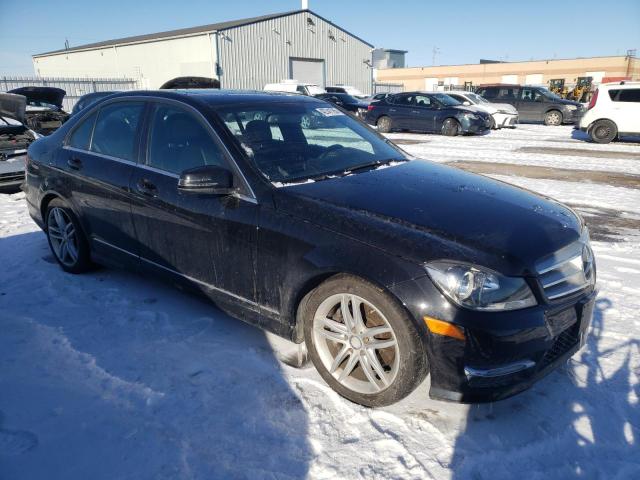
x=392, y=109
x=145, y=187
x=74, y=163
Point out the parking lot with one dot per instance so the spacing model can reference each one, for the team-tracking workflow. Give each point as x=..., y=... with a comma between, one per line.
x=142, y=378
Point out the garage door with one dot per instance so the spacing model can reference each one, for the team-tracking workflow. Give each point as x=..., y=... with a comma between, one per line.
x=307, y=70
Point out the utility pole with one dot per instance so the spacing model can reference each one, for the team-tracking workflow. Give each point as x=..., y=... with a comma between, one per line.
x=434, y=52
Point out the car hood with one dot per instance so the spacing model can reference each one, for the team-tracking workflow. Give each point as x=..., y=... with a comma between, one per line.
x=468, y=108
x=51, y=95
x=13, y=106
x=425, y=211
x=505, y=107
x=564, y=101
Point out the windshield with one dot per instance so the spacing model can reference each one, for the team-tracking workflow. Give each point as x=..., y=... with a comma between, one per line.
x=550, y=94
x=446, y=99
x=315, y=90
x=477, y=98
x=295, y=141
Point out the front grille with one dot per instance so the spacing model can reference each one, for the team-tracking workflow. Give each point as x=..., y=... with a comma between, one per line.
x=569, y=270
x=561, y=345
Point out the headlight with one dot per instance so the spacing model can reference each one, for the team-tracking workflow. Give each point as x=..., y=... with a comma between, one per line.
x=479, y=288
x=571, y=107
x=470, y=116
x=506, y=111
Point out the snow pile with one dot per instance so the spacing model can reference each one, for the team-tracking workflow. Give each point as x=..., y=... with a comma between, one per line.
x=111, y=375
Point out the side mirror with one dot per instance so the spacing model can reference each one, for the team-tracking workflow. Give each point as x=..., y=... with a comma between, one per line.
x=208, y=179
x=466, y=103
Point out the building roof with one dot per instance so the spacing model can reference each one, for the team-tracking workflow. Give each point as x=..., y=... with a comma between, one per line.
x=213, y=27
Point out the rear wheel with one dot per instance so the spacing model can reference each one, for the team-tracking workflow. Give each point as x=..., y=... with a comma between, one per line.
x=384, y=124
x=451, y=127
x=553, y=118
x=66, y=240
x=362, y=342
x=603, y=131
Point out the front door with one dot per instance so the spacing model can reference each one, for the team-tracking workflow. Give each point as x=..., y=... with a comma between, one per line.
x=99, y=157
x=531, y=105
x=424, y=114
x=207, y=239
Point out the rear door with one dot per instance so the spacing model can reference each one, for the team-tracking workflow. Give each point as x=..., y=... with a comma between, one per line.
x=208, y=239
x=400, y=110
x=99, y=157
x=626, y=105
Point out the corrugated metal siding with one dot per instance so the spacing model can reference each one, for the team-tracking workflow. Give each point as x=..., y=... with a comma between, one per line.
x=75, y=87
x=253, y=55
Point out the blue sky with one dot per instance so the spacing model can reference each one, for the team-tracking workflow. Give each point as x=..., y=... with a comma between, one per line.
x=464, y=31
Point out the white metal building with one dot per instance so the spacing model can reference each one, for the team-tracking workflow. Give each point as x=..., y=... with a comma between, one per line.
x=242, y=54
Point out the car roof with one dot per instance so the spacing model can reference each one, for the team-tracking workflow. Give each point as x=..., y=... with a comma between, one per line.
x=618, y=85
x=216, y=97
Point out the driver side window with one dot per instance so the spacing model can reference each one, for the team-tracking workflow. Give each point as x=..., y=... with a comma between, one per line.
x=178, y=141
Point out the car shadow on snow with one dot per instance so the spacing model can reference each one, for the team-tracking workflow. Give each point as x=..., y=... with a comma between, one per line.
x=115, y=375
x=579, y=422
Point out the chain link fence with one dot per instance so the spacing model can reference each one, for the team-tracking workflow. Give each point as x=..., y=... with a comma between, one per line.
x=75, y=87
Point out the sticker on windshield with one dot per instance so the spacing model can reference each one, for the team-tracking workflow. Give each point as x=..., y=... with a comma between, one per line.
x=329, y=112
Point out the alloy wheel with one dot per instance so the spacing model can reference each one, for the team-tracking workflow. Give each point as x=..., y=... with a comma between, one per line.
x=553, y=118
x=356, y=343
x=63, y=236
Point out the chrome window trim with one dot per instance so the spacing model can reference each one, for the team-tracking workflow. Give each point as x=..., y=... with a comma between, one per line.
x=101, y=155
x=187, y=277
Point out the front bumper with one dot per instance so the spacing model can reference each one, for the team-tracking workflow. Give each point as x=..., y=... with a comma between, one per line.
x=505, y=120
x=503, y=353
x=572, y=116
x=479, y=125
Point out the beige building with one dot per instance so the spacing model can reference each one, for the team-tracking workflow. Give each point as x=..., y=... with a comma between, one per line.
x=538, y=72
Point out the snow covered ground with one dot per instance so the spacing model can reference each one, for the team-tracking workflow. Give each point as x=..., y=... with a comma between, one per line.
x=112, y=375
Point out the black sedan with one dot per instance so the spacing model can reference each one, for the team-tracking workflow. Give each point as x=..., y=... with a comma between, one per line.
x=387, y=268
x=426, y=112
x=346, y=102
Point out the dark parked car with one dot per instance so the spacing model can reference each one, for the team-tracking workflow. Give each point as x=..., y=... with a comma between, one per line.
x=44, y=113
x=534, y=104
x=388, y=268
x=426, y=112
x=346, y=101
x=190, y=82
x=15, y=138
x=89, y=99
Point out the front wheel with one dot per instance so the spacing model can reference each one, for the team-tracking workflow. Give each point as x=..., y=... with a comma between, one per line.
x=553, y=118
x=362, y=342
x=451, y=127
x=66, y=240
x=603, y=131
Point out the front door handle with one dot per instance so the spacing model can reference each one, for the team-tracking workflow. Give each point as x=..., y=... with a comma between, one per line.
x=392, y=109
x=74, y=163
x=145, y=187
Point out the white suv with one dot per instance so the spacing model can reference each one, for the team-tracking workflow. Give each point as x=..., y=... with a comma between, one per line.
x=614, y=111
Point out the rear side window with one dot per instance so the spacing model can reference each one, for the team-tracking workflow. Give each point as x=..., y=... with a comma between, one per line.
x=631, y=95
x=508, y=93
x=178, y=142
x=488, y=92
x=116, y=128
x=81, y=136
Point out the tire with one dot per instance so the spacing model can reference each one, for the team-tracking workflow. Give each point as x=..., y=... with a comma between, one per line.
x=450, y=127
x=384, y=124
x=347, y=358
x=66, y=239
x=603, y=131
x=553, y=118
